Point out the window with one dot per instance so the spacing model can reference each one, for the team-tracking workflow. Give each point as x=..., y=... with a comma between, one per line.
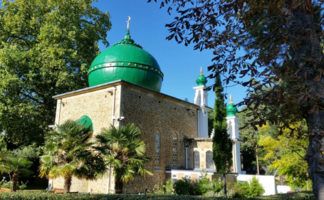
x=174, y=151
x=157, y=142
x=196, y=160
x=209, y=160
x=229, y=129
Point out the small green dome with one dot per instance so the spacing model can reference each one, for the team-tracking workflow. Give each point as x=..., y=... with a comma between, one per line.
x=126, y=61
x=201, y=80
x=231, y=110
x=85, y=121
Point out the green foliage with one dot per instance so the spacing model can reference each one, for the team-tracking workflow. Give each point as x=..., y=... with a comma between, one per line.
x=45, y=48
x=222, y=144
x=16, y=163
x=248, y=141
x=248, y=189
x=165, y=189
x=265, y=46
x=183, y=187
x=197, y=187
x=124, y=151
x=216, y=186
x=289, y=161
x=202, y=186
x=68, y=152
x=35, y=195
x=168, y=187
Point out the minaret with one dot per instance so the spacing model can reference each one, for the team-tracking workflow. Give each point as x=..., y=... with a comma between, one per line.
x=201, y=101
x=233, y=131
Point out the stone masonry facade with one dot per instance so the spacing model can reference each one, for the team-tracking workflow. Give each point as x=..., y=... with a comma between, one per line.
x=166, y=123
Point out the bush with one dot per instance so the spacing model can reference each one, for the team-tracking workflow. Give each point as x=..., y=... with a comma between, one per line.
x=202, y=186
x=37, y=195
x=8, y=184
x=217, y=186
x=183, y=187
x=199, y=187
x=167, y=188
x=248, y=189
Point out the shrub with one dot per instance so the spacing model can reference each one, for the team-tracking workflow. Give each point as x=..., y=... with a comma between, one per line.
x=183, y=187
x=248, y=189
x=168, y=187
x=202, y=186
x=188, y=187
x=217, y=186
x=8, y=184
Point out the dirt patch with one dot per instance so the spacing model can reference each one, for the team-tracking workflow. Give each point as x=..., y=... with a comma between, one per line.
x=4, y=190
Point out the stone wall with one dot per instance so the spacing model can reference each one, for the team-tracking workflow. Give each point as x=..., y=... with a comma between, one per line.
x=165, y=123
x=204, y=145
x=101, y=104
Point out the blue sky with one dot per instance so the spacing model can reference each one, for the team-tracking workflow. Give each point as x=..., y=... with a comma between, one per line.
x=179, y=64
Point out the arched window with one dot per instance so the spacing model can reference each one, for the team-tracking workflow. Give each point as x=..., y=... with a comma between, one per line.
x=196, y=160
x=157, y=144
x=229, y=129
x=209, y=160
x=174, y=155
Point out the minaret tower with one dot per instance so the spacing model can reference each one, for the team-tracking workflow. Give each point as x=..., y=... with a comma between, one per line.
x=233, y=131
x=201, y=101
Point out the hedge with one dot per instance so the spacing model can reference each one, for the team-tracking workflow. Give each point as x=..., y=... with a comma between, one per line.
x=37, y=195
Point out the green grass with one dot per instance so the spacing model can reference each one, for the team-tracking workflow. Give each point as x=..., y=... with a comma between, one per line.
x=41, y=195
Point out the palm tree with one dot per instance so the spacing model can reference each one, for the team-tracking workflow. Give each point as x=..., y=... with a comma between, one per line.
x=68, y=152
x=124, y=151
x=17, y=162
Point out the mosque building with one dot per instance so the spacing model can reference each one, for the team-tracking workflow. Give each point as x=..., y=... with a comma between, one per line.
x=124, y=87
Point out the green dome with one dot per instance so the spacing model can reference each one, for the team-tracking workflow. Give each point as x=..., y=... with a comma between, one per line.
x=231, y=110
x=126, y=61
x=201, y=80
x=85, y=121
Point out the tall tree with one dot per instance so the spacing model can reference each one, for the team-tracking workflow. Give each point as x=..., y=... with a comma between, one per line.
x=124, y=151
x=45, y=48
x=249, y=143
x=276, y=47
x=68, y=152
x=287, y=162
x=222, y=144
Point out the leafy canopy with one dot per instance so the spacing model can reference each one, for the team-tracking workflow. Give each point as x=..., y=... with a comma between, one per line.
x=284, y=154
x=222, y=144
x=45, y=48
x=69, y=152
x=124, y=151
x=16, y=161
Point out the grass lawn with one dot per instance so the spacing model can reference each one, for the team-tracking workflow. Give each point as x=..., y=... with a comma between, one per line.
x=42, y=195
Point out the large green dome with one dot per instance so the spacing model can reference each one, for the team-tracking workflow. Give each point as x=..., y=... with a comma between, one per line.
x=126, y=61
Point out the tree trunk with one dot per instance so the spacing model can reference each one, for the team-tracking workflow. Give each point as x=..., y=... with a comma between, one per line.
x=315, y=153
x=67, y=184
x=307, y=56
x=118, y=185
x=257, y=161
x=14, y=182
x=225, y=184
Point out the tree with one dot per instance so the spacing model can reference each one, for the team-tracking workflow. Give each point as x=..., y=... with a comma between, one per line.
x=124, y=151
x=275, y=47
x=249, y=143
x=69, y=152
x=222, y=144
x=16, y=163
x=45, y=48
x=289, y=161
